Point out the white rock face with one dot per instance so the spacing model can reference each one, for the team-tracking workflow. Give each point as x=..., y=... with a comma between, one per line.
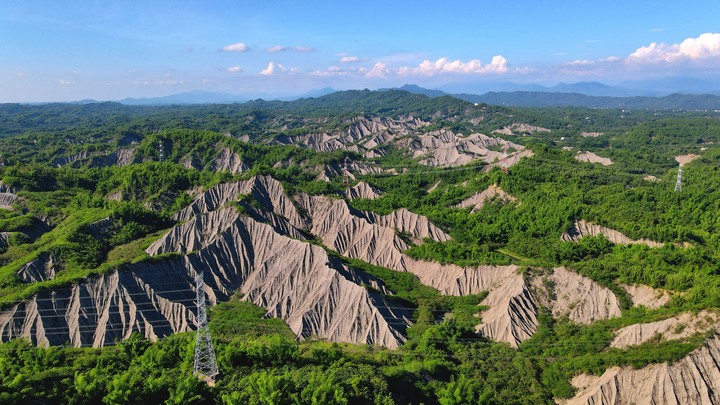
x=577, y=297
x=362, y=134
x=4, y=188
x=520, y=128
x=152, y=300
x=361, y=190
x=513, y=303
x=512, y=316
x=642, y=295
x=7, y=200
x=124, y=157
x=317, y=295
x=693, y=380
x=120, y=157
x=5, y=238
x=443, y=148
x=84, y=155
x=294, y=280
x=685, y=159
x=434, y=148
x=266, y=257
x=266, y=190
x=583, y=228
x=592, y=158
x=677, y=327
x=41, y=269
x=477, y=201
x=229, y=161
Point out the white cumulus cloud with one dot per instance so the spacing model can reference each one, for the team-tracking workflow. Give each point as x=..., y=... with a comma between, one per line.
x=349, y=59
x=702, y=48
x=236, y=47
x=67, y=82
x=280, y=48
x=272, y=68
x=444, y=65
x=234, y=69
x=594, y=62
x=379, y=70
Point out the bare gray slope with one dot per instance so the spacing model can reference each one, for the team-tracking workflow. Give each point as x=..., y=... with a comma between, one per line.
x=266, y=190
x=7, y=199
x=41, y=269
x=477, y=200
x=154, y=300
x=361, y=190
x=513, y=303
x=695, y=379
x=681, y=326
x=583, y=228
x=265, y=256
x=435, y=148
x=294, y=280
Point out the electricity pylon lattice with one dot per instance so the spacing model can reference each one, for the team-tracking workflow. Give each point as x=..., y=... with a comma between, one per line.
x=346, y=173
x=205, y=362
x=161, y=150
x=678, y=183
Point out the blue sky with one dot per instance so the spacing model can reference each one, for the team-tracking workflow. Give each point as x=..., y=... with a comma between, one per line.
x=105, y=50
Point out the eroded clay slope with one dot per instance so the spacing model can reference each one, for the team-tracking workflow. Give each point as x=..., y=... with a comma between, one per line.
x=296, y=281
x=685, y=159
x=266, y=190
x=361, y=136
x=361, y=190
x=7, y=200
x=327, y=172
x=154, y=300
x=642, y=295
x=678, y=327
x=229, y=161
x=577, y=297
x=41, y=269
x=120, y=157
x=512, y=299
x=445, y=148
x=583, y=228
x=520, y=128
x=693, y=380
x=371, y=137
x=477, y=201
x=293, y=280
x=592, y=158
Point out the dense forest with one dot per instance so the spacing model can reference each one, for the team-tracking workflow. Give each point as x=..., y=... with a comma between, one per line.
x=95, y=217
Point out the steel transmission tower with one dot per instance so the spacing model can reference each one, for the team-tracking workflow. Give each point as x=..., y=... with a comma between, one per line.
x=205, y=363
x=678, y=183
x=346, y=173
x=161, y=150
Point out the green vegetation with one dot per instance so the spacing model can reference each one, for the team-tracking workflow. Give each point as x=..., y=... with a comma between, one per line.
x=93, y=217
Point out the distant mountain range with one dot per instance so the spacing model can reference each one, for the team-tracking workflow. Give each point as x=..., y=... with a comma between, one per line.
x=545, y=99
x=680, y=93
x=211, y=97
x=647, y=88
x=588, y=94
